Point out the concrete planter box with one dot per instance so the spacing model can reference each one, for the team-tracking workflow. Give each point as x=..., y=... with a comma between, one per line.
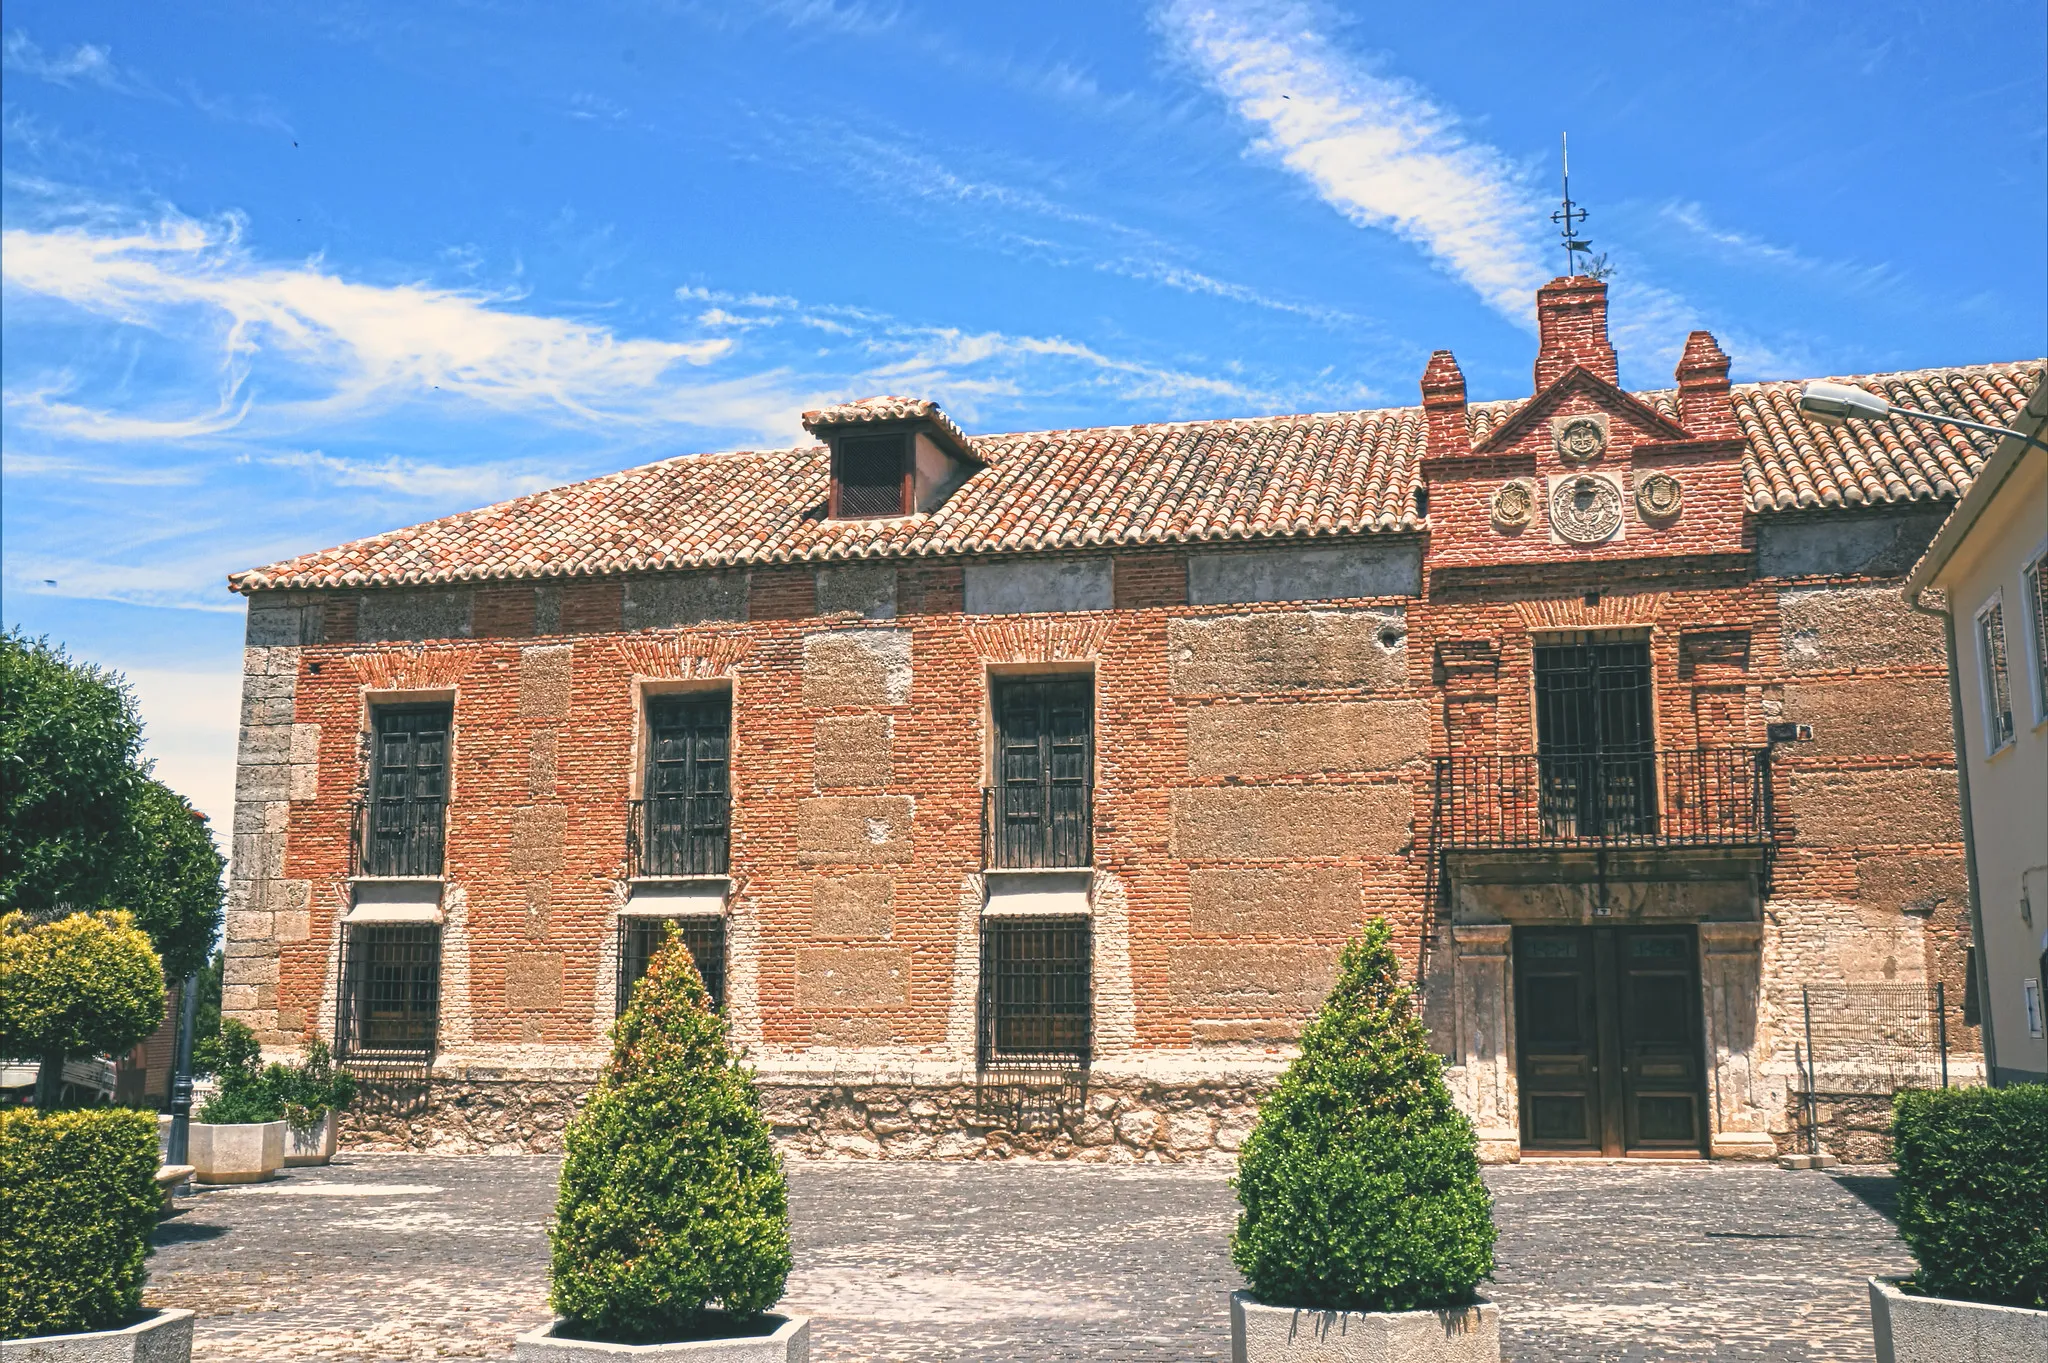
x=1283, y=1334
x=790, y=1342
x=165, y=1337
x=1912, y=1329
x=313, y=1144
x=244, y=1152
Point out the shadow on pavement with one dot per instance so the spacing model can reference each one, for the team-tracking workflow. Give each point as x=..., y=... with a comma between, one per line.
x=1879, y=1192
x=173, y=1231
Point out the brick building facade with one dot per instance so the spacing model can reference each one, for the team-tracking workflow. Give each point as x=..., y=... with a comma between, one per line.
x=1017, y=792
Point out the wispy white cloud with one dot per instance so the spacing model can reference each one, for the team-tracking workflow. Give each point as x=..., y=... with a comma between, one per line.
x=1375, y=147
x=417, y=478
x=101, y=472
x=1732, y=244
x=88, y=63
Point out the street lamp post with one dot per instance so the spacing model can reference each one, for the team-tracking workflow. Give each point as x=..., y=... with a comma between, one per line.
x=1834, y=404
x=181, y=1075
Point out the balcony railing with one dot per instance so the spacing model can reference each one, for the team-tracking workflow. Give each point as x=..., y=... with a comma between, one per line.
x=395, y=837
x=1033, y=828
x=677, y=835
x=1704, y=797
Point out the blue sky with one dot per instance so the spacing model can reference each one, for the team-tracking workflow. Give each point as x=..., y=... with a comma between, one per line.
x=279, y=277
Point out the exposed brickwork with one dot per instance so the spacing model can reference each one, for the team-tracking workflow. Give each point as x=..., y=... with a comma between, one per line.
x=1261, y=782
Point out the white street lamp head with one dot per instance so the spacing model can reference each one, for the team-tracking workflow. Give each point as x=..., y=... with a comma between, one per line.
x=1834, y=403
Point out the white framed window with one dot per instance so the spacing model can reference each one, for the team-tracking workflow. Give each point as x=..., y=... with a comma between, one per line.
x=2030, y=991
x=2034, y=607
x=1993, y=679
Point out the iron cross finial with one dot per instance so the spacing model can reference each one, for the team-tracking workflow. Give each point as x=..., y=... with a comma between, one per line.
x=1568, y=218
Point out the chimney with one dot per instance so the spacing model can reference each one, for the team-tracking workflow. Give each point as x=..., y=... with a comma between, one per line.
x=1443, y=408
x=1703, y=406
x=1571, y=328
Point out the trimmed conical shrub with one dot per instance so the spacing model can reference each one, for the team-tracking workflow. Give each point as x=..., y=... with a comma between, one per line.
x=672, y=1202
x=1360, y=1180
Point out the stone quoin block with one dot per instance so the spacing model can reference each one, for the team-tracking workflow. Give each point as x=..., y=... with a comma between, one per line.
x=667, y=600
x=536, y=843
x=1288, y=823
x=864, y=667
x=544, y=677
x=853, y=830
x=1871, y=715
x=1862, y=808
x=533, y=980
x=853, y=750
x=1837, y=628
x=852, y=977
x=1287, y=650
x=853, y=906
x=1306, y=736
x=865, y=589
x=1246, y=979
x=1292, y=901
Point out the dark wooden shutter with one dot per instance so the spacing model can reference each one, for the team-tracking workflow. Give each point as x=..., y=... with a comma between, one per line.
x=871, y=477
x=1595, y=738
x=408, y=791
x=1045, y=772
x=688, y=797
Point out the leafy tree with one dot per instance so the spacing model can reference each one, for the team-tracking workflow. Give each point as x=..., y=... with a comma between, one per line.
x=672, y=1197
x=1360, y=1180
x=87, y=984
x=82, y=824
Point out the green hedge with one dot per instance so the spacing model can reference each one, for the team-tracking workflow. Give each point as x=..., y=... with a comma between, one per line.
x=1973, y=1191
x=1360, y=1180
x=78, y=1200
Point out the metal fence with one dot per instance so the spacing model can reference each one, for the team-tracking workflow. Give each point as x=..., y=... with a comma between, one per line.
x=1868, y=1040
x=1704, y=797
x=396, y=837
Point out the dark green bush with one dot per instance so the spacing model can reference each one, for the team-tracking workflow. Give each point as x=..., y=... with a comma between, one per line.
x=86, y=984
x=312, y=1088
x=232, y=1054
x=1360, y=1180
x=253, y=1103
x=1973, y=1191
x=77, y=1203
x=672, y=1198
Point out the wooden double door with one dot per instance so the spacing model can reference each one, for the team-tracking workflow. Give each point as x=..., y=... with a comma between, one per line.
x=1607, y=1026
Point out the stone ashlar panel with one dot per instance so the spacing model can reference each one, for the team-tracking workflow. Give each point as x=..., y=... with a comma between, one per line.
x=861, y=667
x=1875, y=716
x=1034, y=586
x=533, y=980
x=1837, y=628
x=853, y=907
x=1288, y=650
x=669, y=600
x=1323, y=572
x=537, y=833
x=830, y=978
x=853, y=750
x=409, y=616
x=1250, y=980
x=854, y=830
x=1912, y=882
x=544, y=678
x=1838, y=543
x=1290, y=823
x=1306, y=736
x=1862, y=808
x=1305, y=901
x=541, y=764
x=865, y=589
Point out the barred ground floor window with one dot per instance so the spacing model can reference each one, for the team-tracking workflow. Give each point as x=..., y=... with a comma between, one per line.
x=390, y=996
x=641, y=935
x=1036, y=990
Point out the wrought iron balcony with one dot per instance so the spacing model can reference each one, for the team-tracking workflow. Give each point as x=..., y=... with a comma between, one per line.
x=678, y=835
x=395, y=837
x=1037, y=828
x=1697, y=797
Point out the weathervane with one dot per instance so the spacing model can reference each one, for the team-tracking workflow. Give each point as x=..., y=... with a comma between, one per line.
x=1568, y=219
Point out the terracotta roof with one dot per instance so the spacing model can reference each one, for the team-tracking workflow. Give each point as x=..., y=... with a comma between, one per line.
x=1184, y=482
x=867, y=411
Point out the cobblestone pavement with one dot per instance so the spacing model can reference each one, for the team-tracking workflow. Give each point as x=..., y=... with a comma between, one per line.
x=415, y=1257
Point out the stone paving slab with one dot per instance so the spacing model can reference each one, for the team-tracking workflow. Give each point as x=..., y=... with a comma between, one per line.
x=406, y=1257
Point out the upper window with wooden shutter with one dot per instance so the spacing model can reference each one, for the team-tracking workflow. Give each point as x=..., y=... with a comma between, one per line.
x=871, y=477
x=1042, y=805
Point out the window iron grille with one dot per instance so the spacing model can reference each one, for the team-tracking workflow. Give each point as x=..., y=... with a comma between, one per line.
x=1036, y=991
x=390, y=996
x=871, y=477
x=1594, y=738
x=641, y=935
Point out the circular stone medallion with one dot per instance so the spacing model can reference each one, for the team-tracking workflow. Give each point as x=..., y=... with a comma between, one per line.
x=1585, y=508
x=1658, y=497
x=1514, y=504
x=1581, y=440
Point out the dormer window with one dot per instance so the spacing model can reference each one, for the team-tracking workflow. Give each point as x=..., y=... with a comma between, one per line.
x=891, y=457
x=871, y=477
